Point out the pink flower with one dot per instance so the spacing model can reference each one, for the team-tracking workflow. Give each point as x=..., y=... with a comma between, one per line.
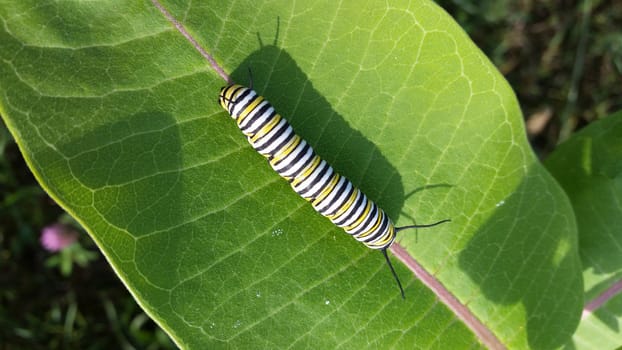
x=57, y=237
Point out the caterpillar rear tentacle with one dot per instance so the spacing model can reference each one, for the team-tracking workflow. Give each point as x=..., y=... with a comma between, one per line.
x=386, y=256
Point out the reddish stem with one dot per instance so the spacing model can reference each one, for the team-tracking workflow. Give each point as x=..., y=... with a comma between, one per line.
x=615, y=289
x=481, y=331
x=194, y=43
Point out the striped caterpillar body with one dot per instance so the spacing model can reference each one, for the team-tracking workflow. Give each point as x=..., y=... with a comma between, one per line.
x=330, y=194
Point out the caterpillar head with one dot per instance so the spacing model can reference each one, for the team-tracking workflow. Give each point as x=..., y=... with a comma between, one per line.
x=230, y=96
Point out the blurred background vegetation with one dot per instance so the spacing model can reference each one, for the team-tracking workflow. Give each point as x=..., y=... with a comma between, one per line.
x=563, y=59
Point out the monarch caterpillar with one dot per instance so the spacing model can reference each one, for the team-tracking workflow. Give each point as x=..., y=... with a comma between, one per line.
x=330, y=194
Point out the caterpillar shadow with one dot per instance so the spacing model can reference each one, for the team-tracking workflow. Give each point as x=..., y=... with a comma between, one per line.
x=312, y=117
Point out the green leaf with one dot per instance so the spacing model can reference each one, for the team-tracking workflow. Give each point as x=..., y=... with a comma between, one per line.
x=589, y=168
x=116, y=114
